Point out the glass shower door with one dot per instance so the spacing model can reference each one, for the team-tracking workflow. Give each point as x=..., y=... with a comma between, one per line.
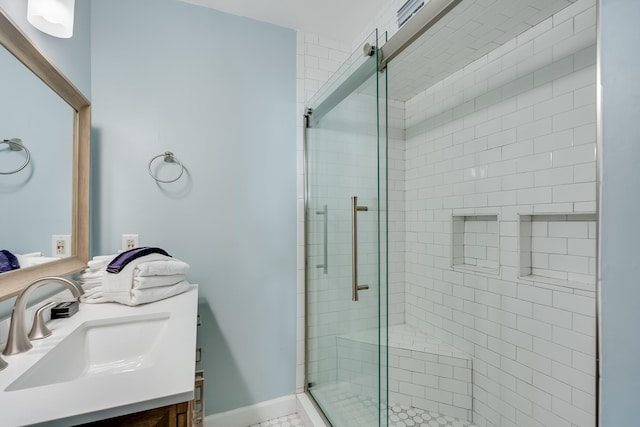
x=346, y=249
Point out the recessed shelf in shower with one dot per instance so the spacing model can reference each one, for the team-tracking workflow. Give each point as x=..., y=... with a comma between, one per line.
x=558, y=249
x=475, y=242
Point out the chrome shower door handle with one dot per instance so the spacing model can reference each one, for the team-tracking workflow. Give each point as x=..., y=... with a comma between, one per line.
x=325, y=221
x=355, y=287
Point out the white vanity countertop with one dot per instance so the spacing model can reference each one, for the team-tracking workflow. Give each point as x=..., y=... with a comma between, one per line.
x=164, y=377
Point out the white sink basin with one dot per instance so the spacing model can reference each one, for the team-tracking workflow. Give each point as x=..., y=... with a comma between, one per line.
x=106, y=360
x=98, y=347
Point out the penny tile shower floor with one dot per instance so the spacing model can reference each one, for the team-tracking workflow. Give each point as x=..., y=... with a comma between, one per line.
x=406, y=416
x=353, y=410
x=399, y=416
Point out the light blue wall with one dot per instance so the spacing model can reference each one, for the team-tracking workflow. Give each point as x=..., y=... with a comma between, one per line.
x=72, y=56
x=218, y=91
x=620, y=260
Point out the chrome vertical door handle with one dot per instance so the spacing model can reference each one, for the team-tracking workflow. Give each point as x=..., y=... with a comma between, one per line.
x=325, y=221
x=355, y=287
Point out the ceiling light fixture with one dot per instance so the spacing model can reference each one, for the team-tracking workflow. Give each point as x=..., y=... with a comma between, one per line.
x=54, y=17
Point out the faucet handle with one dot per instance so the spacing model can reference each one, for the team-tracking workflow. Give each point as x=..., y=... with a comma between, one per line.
x=39, y=329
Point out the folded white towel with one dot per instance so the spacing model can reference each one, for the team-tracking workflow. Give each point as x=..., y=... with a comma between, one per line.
x=33, y=258
x=134, y=296
x=123, y=282
x=92, y=295
x=90, y=285
x=89, y=278
x=143, y=296
x=100, y=262
x=138, y=282
x=30, y=254
x=91, y=274
x=145, y=282
x=97, y=280
x=166, y=267
x=103, y=257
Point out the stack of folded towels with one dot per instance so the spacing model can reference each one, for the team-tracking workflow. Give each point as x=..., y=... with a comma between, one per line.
x=9, y=261
x=133, y=277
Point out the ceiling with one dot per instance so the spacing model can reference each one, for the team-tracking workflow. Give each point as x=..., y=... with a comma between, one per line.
x=342, y=20
x=471, y=30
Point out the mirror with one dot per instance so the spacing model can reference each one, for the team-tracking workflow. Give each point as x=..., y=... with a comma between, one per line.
x=41, y=201
x=43, y=123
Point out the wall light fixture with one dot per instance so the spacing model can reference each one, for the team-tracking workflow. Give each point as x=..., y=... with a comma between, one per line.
x=54, y=17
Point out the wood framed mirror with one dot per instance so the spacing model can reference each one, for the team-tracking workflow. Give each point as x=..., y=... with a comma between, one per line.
x=24, y=50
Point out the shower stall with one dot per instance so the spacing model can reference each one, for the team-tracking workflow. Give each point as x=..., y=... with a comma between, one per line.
x=451, y=221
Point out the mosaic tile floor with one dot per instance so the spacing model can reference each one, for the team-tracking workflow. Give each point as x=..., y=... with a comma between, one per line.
x=406, y=416
x=292, y=420
x=351, y=410
x=399, y=416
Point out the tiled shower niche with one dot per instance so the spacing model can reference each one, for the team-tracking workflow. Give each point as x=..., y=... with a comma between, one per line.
x=558, y=249
x=475, y=242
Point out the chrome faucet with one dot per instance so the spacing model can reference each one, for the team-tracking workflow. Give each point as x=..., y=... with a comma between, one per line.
x=18, y=341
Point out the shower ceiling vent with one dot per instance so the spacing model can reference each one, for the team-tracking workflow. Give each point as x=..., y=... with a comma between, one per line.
x=410, y=8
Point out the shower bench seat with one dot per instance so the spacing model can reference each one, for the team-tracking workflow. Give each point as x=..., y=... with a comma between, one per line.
x=424, y=372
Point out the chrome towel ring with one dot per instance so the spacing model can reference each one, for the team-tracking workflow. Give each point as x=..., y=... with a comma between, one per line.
x=16, y=144
x=168, y=158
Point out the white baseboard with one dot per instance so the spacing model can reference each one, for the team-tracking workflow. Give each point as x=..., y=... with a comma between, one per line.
x=253, y=414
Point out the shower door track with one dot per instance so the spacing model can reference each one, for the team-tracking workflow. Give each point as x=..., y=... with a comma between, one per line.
x=426, y=18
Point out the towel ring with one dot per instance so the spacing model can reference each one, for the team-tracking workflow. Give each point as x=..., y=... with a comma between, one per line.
x=168, y=158
x=15, y=144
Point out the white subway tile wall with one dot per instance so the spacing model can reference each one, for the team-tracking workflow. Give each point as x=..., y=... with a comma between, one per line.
x=385, y=22
x=512, y=135
x=317, y=59
x=517, y=141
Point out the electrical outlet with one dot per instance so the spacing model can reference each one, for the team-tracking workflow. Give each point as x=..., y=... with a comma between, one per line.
x=61, y=245
x=129, y=241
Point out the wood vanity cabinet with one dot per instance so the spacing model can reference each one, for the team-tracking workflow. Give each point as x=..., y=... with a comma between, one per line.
x=168, y=416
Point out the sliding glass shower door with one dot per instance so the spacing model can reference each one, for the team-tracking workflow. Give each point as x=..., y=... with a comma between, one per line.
x=346, y=245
